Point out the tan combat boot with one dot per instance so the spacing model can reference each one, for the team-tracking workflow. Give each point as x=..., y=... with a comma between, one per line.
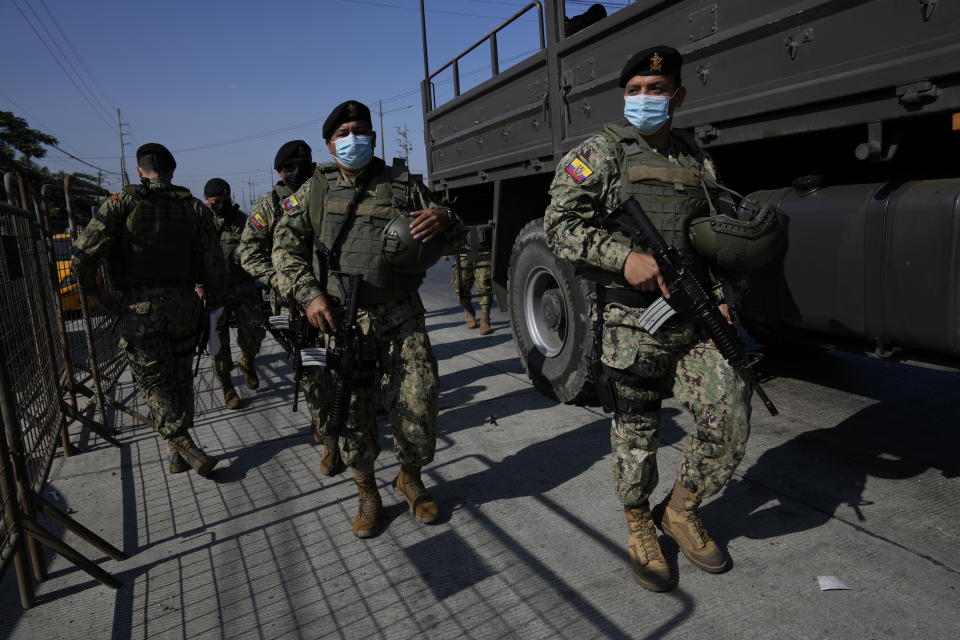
x=230, y=398
x=366, y=523
x=485, y=322
x=410, y=486
x=471, y=316
x=327, y=466
x=249, y=373
x=175, y=462
x=650, y=568
x=193, y=455
x=677, y=517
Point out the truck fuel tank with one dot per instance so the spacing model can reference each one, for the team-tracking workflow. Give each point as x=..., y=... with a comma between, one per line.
x=877, y=262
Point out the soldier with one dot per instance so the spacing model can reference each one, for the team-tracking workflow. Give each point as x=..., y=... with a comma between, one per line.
x=346, y=206
x=159, y=243
x=294, y=164
x=669, y=176
x=463, y=273
x=241, y=297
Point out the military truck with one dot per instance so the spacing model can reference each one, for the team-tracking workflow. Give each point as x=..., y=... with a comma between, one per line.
x=846, y=113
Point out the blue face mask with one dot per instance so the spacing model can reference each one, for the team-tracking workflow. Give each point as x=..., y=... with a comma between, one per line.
x=647, y=113
x=354, y=152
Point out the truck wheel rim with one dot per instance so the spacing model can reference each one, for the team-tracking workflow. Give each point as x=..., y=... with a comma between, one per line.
x=544, y=311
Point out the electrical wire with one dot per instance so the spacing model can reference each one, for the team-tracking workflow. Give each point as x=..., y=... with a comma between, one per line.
x=76, y=54
x=62, y=68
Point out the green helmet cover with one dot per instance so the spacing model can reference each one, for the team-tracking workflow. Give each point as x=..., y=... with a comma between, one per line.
x=403, y=252
x=733, y=243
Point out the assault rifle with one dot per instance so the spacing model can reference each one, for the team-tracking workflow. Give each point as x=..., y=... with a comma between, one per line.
x=303, y=336
x=688, y=296
x=203, y=337
x=279, y=328
x=339, y=360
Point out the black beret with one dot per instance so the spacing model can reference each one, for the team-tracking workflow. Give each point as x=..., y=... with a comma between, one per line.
x=162, y=158
x=290, y=150
x=215, y=187
x=345, y=112
x=660, y=60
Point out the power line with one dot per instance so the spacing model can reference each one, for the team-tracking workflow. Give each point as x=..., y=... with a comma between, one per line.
x=65, y=57
x=90, y=75
x=92, y=166
x=60, y=64
x=397, y=6
x=254, y=136
x=37, y=121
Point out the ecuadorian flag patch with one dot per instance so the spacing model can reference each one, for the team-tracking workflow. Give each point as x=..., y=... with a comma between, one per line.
x=289, y=204
x=257, y=222
x=579, y=170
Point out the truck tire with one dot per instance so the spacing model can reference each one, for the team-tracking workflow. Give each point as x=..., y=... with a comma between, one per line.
x=550, y=317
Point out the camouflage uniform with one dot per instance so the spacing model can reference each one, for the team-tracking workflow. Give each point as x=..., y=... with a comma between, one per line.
x=397, y=367
x=256, y=247
x=256, y=242
x=702, y=380
x=241, y=297
x=478, y=272
x=158, y=323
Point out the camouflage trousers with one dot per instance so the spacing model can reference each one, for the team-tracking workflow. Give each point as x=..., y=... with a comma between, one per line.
x=397, y=371
x=465, y=273
x=703, y=382
x=315, y=383
x=161, y=368
x=245, y=304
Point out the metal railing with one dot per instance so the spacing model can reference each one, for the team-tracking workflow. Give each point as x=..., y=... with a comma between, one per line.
x=34, y=362
x=494, y=51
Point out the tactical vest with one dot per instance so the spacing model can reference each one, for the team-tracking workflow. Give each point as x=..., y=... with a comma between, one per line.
x=358, y=239
x=156, y=248
x=671, y=195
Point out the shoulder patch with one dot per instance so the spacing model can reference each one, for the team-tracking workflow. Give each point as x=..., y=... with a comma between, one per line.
x=257, y=222
x=290, y=203
x=578, y=169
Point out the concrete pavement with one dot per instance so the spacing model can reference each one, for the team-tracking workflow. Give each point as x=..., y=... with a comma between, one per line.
x=858, y=478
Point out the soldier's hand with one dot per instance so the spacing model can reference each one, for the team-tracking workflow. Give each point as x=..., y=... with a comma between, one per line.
x=643, y=273
x=202, y=294
x=725, y=312
x=428, y=224
x=320, y=315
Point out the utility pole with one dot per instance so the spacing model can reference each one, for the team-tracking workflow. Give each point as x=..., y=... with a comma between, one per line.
x=123, y=155
x=381, y=132
x=403, y=142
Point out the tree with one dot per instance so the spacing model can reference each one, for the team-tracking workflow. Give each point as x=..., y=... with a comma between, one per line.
x=16, y=135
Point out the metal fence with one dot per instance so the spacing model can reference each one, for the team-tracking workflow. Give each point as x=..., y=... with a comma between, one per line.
x=36, y=368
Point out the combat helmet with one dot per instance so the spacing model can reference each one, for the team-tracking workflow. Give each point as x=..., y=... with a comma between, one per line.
x=403, y=252
x=745, y=242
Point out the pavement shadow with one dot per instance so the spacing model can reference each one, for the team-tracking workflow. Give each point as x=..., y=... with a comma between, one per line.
x=812, y=476
x=467, y=345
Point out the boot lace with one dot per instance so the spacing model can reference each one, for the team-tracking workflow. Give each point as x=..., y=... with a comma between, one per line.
x=697, y=525
x=641, y=529
x=415, y=489
x=368, y=500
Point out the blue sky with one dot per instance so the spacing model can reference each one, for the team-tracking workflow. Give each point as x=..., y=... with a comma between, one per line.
x=200, y=73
